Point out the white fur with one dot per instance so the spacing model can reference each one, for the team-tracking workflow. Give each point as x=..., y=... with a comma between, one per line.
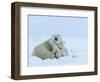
x=44, y=51
x=52, y=48
x=55, y=49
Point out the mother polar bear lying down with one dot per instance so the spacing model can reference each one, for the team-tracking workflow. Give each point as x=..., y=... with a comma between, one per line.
x=52, y=48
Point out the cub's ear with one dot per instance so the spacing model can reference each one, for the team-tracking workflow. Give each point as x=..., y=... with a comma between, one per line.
x=53, y=35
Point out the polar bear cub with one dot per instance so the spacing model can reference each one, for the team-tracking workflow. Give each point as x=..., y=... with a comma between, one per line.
x=64, y=50
x=55, y=49
x=58, y=48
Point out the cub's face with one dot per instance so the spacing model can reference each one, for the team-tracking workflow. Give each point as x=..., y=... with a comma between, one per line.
x=57, y=39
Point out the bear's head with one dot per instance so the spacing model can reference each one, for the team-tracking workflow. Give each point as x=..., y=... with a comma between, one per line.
x=57, y=40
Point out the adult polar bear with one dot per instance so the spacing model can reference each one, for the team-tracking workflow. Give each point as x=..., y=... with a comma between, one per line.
x=52, y=48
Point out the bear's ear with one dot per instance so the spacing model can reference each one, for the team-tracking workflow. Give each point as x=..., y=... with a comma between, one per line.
x=53, y=35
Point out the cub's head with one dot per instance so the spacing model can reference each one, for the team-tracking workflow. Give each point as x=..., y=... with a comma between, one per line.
x=56, y=38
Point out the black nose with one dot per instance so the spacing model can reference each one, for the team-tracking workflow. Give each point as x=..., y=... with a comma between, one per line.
x=56, y=39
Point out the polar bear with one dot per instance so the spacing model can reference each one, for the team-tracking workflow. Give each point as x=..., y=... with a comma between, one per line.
x=43, y=51
x=52, y=48
x=58, y=47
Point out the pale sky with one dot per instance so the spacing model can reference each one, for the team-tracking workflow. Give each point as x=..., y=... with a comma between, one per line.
x=71, y=27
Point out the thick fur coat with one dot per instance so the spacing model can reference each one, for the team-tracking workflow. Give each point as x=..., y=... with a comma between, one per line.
x=52, y=48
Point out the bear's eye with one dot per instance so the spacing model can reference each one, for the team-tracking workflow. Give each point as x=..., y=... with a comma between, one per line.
x=56, y=39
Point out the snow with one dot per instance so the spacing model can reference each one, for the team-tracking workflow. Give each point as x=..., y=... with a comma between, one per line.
x=77, y=52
